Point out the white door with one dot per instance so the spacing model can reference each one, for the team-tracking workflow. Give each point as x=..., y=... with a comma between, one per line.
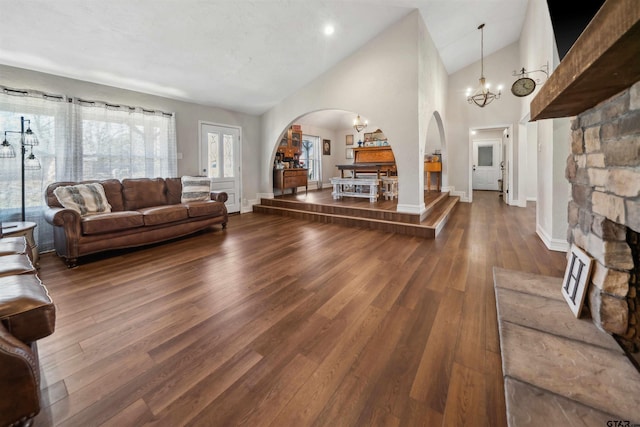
x=220, y=160
x=486, y=164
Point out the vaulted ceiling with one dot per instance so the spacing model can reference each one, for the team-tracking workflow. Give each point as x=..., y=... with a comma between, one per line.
x=244, y=55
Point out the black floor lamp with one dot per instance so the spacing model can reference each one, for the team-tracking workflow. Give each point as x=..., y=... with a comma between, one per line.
x=27, y=139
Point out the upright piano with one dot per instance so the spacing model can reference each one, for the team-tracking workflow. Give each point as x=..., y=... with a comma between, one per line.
x=368, y=160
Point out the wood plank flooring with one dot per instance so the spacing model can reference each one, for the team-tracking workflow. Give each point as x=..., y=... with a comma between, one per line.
x=283, y=322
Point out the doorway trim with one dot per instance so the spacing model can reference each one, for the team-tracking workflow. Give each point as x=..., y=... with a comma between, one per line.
x=241, y=199
x=509, y=128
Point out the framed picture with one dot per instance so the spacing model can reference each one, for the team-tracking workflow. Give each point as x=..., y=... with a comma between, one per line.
x=378, y=135
x=576, y=279
x=368, y=137
x=326, y=147
x=349, y=153
x=349, y=140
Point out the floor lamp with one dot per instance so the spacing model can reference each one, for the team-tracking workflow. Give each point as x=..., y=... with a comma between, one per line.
x=27, y=139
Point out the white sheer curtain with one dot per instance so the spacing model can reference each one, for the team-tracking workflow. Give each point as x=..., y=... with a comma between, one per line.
x=121, y=142
x=48, y=119
x=79, y=140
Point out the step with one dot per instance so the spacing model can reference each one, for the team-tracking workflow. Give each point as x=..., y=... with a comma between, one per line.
x=438, y=213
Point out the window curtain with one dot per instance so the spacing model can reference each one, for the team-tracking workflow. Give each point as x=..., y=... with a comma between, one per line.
x=120, y=142
x=48, y=119
x=79, y=140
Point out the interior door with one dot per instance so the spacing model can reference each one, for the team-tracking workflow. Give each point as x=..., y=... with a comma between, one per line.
x=486, y=164
x=220, y=160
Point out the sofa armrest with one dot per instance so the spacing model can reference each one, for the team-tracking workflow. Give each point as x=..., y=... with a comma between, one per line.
x=67, y=230
x=219, y=196
x=62, y=217
x=20, y=393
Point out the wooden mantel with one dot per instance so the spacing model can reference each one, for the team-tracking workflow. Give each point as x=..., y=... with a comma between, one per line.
x=602, y=62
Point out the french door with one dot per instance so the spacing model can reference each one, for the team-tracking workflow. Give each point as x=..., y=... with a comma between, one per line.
x=220, y=160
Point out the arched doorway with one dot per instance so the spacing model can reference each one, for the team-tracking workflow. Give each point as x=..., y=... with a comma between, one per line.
x=434, y=153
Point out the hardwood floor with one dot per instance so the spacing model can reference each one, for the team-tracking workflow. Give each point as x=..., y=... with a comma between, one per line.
x=281, y=322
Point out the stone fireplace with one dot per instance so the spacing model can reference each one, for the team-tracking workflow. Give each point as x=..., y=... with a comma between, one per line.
x=604, y=215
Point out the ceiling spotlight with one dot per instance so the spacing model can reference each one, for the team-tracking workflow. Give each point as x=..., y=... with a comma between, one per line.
x=329, y=29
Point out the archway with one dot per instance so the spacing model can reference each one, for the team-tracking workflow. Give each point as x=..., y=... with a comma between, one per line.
x=334, y=126
x=434, y=150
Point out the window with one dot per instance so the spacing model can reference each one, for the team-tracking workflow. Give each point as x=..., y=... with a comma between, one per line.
x=78, y=141
x=311, y=156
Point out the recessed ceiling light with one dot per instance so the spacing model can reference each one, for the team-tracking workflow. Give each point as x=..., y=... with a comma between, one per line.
x=329, y=29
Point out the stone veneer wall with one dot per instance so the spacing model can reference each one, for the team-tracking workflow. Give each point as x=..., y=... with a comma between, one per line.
x=604, y=171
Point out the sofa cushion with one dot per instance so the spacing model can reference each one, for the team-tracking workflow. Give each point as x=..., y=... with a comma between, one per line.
x=206, y=208
x=143, y=192
x=16, y=264
x=109, y=222
x=164, y=214
x=13, y=245
x=26, y=307
x=113, y=191
x=195, y=188
x=83, y=198
x=174, y=190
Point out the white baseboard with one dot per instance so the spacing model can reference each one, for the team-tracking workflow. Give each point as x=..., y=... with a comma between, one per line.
x=532, y=199
x=557, y=245
x=248, y=207
x=452, y=191
x=411, y=209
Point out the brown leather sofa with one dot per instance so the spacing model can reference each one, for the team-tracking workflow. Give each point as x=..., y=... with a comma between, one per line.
x=143, y=211
x=27, y=314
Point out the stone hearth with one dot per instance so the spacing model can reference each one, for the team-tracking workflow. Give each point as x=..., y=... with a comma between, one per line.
x=604, y=215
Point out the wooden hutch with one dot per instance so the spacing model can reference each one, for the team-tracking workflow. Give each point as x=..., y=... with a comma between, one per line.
x=290, y=147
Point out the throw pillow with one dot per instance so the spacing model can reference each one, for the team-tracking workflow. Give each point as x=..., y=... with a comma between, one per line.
x=195, y=188
x=83, y=198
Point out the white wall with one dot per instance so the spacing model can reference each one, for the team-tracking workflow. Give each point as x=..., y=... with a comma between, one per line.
x=537, y=48
x=187, y=116
x=328, y=162
x=461, y=116
x=531, y=172
x=381, y=83
x=432, y=98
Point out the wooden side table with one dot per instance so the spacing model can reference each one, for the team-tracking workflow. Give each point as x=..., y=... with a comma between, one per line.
x=435, y=167
x=23, y=228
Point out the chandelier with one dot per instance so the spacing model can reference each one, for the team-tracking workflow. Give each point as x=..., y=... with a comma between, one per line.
x=358, y=124
x=482, y=95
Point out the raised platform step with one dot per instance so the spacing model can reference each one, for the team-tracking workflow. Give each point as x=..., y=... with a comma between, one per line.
x=438, y=212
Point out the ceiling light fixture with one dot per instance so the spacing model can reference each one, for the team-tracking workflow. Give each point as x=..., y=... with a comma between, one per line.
x=358, y=124
x=329, y=29
x=482, y=96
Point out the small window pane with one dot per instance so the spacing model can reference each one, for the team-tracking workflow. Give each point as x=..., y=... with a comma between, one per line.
x=229, y=161
x=485, y=156
x=214, y=168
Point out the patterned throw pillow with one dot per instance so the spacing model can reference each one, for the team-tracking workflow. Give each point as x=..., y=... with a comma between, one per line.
x=195, y=188
x=83, y=198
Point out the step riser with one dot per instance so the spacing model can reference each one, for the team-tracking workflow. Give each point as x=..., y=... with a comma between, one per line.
x=356, y=212
x=397, y=227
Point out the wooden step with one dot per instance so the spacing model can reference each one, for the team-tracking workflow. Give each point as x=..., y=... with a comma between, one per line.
x=390, y=221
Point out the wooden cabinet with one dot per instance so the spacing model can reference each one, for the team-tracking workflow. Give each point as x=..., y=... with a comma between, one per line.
x=291, y=143
x=433, y=167
x=290, y=178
